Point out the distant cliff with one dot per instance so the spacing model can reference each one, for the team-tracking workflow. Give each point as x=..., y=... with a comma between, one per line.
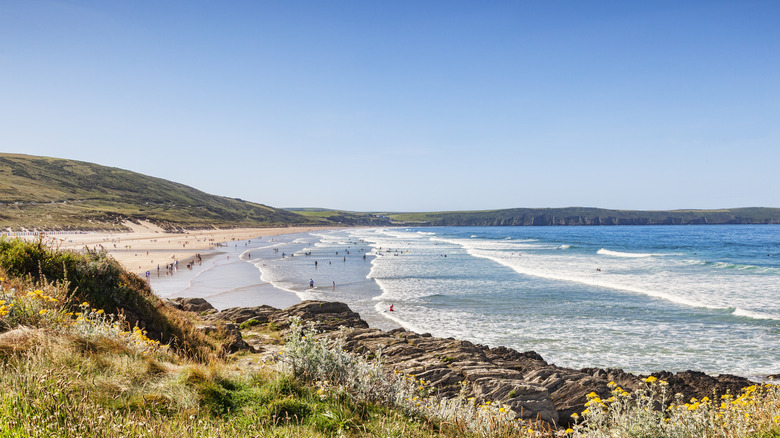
x=588, y=216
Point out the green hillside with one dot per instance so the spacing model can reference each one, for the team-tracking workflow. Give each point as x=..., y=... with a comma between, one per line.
x=56, y=194
x=340, y=217
x=587, y=216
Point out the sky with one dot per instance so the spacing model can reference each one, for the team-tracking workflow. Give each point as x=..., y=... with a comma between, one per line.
x=422, y=105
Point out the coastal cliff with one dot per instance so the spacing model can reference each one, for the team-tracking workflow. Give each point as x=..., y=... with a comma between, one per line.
x=524, y=381
x=573, y=216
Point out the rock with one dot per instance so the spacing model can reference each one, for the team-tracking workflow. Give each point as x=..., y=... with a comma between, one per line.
x=325, y=315
x=530, y=402
x=241, y=314
x=699, y=385
x=197, y=305
x=235, y=342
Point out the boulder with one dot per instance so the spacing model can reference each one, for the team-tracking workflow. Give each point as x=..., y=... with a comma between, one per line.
x=241, y=314
x=235, y=342
x=197, y=305
x=325, y=315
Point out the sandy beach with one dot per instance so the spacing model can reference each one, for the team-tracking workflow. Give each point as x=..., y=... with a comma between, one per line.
x=148, y=246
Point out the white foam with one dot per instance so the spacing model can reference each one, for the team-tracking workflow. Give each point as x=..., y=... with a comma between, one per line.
x=603, y=251
x=754, y=315
x=598, y=280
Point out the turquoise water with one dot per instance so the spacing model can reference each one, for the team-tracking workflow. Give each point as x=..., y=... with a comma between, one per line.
x=641, y=298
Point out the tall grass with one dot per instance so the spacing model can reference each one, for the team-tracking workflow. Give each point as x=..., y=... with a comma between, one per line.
x=97, y=279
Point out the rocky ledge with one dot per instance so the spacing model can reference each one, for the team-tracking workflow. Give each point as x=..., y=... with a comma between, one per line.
x=534, y=389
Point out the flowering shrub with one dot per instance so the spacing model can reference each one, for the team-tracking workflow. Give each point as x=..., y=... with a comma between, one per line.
x=94, y=323
x=649, y=412
x=40, y=307
x=35, y=307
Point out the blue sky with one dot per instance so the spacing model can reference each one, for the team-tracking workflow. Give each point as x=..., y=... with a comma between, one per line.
x=407, y=105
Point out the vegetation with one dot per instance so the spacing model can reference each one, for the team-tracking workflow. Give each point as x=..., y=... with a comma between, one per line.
x=341, y=217
x=56, y=194
x=69, y=367
x=652, y=412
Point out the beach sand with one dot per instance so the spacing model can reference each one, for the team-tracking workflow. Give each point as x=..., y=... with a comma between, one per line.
x=148, y=246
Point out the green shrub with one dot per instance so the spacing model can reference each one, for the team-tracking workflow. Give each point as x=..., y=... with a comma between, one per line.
x=249, y=323
x=289, y=409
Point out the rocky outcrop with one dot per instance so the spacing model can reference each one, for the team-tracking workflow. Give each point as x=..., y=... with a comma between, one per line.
x=533, y=388
x=238, y=315
x=326, y=316
x=197, y=305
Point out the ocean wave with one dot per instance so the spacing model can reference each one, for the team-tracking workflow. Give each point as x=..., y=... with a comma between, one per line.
x=741, y=267
x=597, y=281
x=564, y=246
x=603, y=251
x=488, y=244
x=754, y=315
x=382, y=309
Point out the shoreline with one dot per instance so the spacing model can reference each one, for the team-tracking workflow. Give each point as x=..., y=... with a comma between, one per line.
x=147, y=246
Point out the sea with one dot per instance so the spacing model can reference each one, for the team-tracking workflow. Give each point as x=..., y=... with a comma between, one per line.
x=639, y=298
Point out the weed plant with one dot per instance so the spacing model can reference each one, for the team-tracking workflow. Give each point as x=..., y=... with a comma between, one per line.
x=652, y=412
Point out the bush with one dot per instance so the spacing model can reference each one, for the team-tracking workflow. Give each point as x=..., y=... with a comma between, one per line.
x=95, y=278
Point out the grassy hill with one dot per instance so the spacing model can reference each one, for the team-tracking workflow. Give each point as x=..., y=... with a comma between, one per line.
x=587, y=216
x=51, y=193
x=341, y=217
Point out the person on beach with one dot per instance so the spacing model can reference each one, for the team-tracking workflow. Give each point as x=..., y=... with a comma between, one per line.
x=334, y=285
x=311, y=283
x=391, y=307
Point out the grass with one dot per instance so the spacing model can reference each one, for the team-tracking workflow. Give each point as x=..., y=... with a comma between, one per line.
x=55, y=194
x=70, y=368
